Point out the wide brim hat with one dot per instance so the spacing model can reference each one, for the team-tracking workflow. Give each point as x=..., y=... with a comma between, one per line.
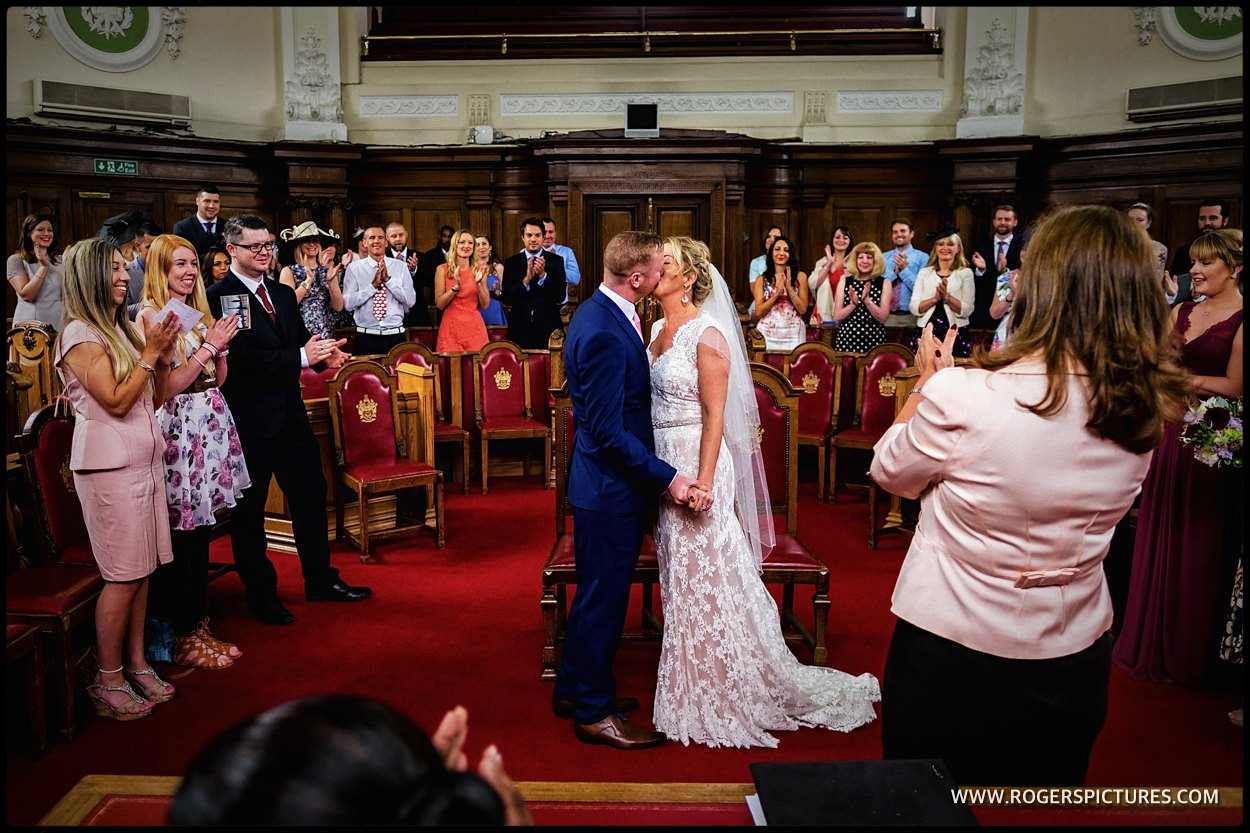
x=309, y=231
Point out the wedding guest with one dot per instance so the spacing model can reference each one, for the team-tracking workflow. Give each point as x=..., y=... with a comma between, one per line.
x=826, y=274
x=1186, y=534
x=460, y=292
x=112, y=375
x=314, y=275
x=484, y=258
x=344, y=760
x=36, y=273
x=1001, y=654
x=862, y=301
x=1144, y=216
x=214, y=265
x=378, y=291
x=781, y=297
x=204, y=468
x=945, y=292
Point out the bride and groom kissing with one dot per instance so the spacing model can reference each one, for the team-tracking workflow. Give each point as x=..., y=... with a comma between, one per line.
x=676, y=421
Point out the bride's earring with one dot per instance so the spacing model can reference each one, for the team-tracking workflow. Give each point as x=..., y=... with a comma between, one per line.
x=685, y=295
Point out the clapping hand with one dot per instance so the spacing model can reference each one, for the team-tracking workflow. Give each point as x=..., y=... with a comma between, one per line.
x=854, y=295
x=412, y=261
x=933, y=355
x=163, y=334
x=221, y=331
x=1171, y=284
x=326, y=350
x=379, y=274
x=978, y=261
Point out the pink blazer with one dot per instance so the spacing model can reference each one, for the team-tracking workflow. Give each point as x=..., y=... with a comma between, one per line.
x=1017, y=513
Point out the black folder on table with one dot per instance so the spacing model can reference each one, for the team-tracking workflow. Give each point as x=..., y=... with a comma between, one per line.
x=860, y=793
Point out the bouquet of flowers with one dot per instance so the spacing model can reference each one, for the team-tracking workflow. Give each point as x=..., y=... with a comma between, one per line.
x=1213, y=430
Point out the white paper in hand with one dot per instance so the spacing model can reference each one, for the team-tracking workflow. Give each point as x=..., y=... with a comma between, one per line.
x=188, y=316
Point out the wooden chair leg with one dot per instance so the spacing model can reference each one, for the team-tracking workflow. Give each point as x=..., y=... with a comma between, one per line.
x=68, y=682
x=485, y=465
x=820, y=473
x=548, y=480
x=872, y=514
x=833, y=474
x=439, y=533
x=821, y=604
x=464, y=472
x=550, y=605
x=362, y=501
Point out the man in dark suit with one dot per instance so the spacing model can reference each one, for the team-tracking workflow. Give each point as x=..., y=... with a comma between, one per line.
x=263, y=391
x=428, y=263
x=203, y=228
x=1001, y=253
x=534, y=286
x=1212, y=214
x=614, y=482
x=397, y=247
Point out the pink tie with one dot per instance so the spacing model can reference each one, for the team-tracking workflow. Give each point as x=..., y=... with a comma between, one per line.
x=637, y=322
x=264, y=301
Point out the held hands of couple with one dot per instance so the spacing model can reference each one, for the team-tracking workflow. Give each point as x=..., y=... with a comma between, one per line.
x=690, y=493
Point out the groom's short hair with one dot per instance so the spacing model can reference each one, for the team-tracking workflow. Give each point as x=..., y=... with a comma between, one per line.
x=628, y=252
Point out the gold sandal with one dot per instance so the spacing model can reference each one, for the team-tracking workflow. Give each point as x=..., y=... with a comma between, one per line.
x=161, y=692
x=195, y=652
x=106, y=709
x=228, y=648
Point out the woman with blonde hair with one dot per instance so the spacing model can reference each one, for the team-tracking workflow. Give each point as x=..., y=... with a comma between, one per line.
x=1183, y=556
x=113, y=375
x=945, y=292
x=460, y=292
x=1024, y=466
x=204, y=468
x=861, y=301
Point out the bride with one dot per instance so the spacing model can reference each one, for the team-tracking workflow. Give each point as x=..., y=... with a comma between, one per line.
x=726, y=677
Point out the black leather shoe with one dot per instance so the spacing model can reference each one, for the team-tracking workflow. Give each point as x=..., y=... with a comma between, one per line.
x=340, y=591
x=271, y=611
x=619, y=733
x=566, y=708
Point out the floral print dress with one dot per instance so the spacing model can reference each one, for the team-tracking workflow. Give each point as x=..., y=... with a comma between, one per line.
x=204, y=467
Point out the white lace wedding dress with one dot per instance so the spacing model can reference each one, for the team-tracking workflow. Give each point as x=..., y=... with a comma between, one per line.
x=726, y=676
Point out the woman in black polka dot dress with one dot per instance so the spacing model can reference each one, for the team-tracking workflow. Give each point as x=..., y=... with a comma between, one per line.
x=862, y=301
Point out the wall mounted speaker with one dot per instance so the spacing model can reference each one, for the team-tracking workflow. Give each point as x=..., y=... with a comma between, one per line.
x=642, y=121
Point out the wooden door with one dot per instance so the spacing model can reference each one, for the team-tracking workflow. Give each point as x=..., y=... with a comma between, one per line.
x=606, y=216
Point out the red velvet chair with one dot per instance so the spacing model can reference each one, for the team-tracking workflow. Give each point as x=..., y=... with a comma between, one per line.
x=23, y=652
x=503, y=405
x=446, y=431
x=816, y=370
x=789, y=563
x=56, y=597
x=313, y=383
x=424, y=335
x=874, y=403
x=371, y=459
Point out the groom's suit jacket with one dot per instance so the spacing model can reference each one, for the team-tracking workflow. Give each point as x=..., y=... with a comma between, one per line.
x=613, y=467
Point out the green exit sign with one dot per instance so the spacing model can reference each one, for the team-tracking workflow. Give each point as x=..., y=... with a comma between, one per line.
x=121, y=167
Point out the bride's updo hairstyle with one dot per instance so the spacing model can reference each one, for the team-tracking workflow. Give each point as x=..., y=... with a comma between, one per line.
x=694, y=256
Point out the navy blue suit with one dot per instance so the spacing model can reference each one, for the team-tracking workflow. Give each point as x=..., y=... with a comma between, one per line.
x=615, y=480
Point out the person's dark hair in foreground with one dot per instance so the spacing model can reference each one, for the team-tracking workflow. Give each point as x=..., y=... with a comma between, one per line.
x=331, y=760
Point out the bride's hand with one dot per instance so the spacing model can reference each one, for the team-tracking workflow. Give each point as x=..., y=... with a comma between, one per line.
x=699, y=498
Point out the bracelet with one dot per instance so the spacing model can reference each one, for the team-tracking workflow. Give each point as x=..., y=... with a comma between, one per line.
x=211, y=348
x=203, y=364
x=916, y=389
x=146, y=366
x=222, y=354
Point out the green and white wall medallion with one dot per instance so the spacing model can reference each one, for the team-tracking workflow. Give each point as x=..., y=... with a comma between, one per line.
x=114, y=38
x=1203, y=33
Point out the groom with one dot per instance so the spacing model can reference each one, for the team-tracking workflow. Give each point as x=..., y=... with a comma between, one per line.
x=614, y=478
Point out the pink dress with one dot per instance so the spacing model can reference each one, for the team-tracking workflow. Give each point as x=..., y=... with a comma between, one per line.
x=461, y=329
x=118, y=473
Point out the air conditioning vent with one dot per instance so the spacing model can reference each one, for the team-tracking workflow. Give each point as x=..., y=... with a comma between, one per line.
x=79, y=101
x=1219, y=96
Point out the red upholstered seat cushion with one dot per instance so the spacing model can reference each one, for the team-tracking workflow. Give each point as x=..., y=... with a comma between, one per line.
x=816, y=406
x=562, y=557
x=446, y=428
x=789, y=553
x=313, y=383
x=50, y=591
x=860, y=435
x=507, y=423
x=370, y=471
x=79, y=553
x=12, y=632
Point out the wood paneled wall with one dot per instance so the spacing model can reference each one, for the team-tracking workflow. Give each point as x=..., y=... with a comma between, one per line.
x=724, y=188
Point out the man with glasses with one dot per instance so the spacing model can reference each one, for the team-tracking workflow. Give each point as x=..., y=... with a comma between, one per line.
x=262, y=388
x=378, y=291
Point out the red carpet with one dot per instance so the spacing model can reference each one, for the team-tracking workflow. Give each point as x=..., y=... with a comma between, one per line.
x=462, y=626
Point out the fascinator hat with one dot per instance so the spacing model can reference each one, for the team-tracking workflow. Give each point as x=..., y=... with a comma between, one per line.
x=309, y=231
x=943, y=231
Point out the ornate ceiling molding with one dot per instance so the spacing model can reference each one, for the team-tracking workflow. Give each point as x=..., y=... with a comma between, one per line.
x=890, y=101
x=721, y=103
x=401, y=106
x=110, y=38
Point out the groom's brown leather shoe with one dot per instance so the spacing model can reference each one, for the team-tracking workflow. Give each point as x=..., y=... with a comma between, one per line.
x=620, y=705
x=618, y=733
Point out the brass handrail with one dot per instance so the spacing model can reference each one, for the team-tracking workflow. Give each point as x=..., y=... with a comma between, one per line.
x=504, y=37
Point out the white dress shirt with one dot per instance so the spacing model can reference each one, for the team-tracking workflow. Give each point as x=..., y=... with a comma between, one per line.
x=358, y=292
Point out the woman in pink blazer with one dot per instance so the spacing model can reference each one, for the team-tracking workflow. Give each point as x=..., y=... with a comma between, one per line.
x=1024, y=465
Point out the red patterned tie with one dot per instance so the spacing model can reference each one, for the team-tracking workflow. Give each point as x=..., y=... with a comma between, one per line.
x=379, y=305
x=264, y=300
